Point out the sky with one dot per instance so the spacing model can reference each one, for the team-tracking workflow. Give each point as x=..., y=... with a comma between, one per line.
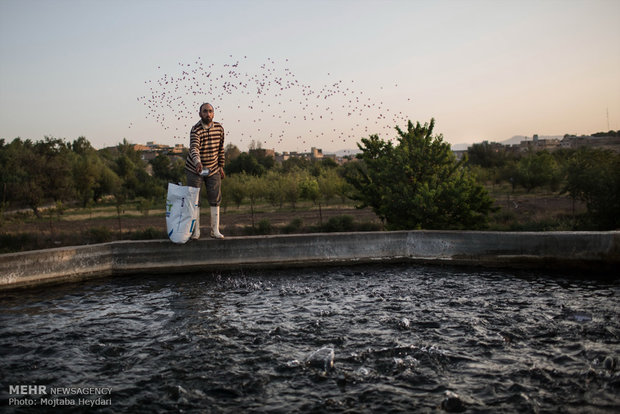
x=292, y=75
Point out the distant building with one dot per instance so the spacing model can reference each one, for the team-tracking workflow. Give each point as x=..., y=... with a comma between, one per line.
x=262, y=152
x=178, y=149
x=148, y=155
x=141, y=148
x=459, y=154
x=280, y=158
x=611, y=142
x=151, y=150
x=316, y=153
x=537, y=144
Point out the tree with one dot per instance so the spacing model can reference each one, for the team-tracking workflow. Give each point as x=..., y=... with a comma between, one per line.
x=330, y=184
x=593, y=175
x=290, y=187
x=245, y=163
x=328, y=163
x=21, y=175
x=487, y=155
x=233, y=189
x=492, y=158
x=295, y=164
x=55, y=159
x=231, y=152
x=162, y=167
x=418, y=183
x=91, y=176
x=107, y=182
x=274, y=190
x=254, y=189
x=536, y=170
x=309, y=189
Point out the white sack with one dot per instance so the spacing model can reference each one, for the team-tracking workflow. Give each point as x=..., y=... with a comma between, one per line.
x=181, y=212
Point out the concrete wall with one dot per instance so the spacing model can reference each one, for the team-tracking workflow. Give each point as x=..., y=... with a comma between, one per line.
x=591, y=251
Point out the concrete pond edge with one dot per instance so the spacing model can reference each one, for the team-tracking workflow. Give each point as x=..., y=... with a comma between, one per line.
x=591, y=252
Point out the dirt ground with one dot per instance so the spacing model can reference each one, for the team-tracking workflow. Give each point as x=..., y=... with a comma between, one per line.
x=72, y=229
x=231, y=219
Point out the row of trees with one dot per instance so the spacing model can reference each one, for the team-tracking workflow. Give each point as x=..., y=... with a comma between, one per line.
x=280, y=187
x=416, y=182
x=34, y=174
x=588, y=174
x=52, y=171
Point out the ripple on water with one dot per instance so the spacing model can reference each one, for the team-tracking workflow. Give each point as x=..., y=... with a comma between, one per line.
x=373, y=339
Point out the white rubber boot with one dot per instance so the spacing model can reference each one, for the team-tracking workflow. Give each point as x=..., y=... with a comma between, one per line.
x=215, y=223
x=196, y=233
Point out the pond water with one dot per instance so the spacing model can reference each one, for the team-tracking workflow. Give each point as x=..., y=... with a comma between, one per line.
x=380, y=339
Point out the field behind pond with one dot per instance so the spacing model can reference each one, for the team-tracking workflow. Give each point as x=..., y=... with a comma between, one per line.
x=20, y=231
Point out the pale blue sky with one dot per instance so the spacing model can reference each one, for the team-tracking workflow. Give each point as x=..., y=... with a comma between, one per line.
x=485, y=70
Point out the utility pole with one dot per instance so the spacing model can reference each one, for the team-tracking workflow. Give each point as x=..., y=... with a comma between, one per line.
x=608, y=119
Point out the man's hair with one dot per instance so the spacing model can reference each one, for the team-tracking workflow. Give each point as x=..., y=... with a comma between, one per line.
x=206, y=103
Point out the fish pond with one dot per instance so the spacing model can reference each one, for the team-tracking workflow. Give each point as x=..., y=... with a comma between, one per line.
x=362, y=339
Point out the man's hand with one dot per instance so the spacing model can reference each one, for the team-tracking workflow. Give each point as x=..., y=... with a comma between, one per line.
x=199, y=168
x=222, y=173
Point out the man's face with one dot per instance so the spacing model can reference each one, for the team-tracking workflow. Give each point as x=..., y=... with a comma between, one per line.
x=206, y=113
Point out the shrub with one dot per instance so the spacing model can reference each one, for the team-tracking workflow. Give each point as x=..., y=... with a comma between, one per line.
x=368, y=226
x=293, y=227
x=149, y=233
x=264, y=227
x=339, y=224
x=99, y=235
x=10, y=243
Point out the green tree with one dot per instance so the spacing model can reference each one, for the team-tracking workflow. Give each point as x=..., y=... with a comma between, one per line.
x=107, y=182
x=330, y=184
x=231, y=152
x=295, y=164
x=120, y=198
x=254, y=189
x=593, y=175
x=491, y=159
x=274, y=188
x=509, y=173
x=290, y=187
x=136, y=181
x=328, y=164
x=162, y=167
x=309, y=189
x=233, y=189
x=245, y=163
x=21, y=175
x=418, y=183
x=536, y=170
x=54, y=160
x=166, y=169
x=144, y=205
x=265, y=160
x=91, y=176
x=487, y=155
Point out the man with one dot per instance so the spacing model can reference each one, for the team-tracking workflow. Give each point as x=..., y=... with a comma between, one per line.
x=205, y=161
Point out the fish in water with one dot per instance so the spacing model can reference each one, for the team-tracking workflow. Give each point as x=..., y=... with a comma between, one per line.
x=322, y=358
